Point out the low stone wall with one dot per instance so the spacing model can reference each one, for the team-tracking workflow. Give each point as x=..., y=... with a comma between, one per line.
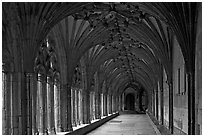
x=162, y=129
x=86, y=129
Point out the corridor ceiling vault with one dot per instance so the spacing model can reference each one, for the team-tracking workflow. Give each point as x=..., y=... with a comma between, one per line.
x=127, y=41
x=106, y=46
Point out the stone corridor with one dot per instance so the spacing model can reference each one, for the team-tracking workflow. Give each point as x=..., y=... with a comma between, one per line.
x=127, y=124
x=71, y=66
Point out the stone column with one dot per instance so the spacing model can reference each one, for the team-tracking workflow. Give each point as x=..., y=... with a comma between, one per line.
x=42, y=105
x=86, y=107
x=119, y=103
x=108, y=104
x=91, y=106
x=157, y=105
x=123, y=101
x=34, y=103
x=28, y=96
x=73, y=107
x=102, y=104
x=80, y=107
x=76, y=107
x=3, y=103
x=14, y=104
x=19, y=104
x=116, y=104
x=63, y=108
x=39, y=105
x=171, y=122
x=68, y=106
x=6, y=114
x=50, y=106
x=113, y=104
x=57, y=105
x=105, y=105
x=153, y=103
x=96, y=106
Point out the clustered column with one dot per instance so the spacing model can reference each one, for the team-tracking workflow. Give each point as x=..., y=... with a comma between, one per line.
x=57, y=105
x=50, y=105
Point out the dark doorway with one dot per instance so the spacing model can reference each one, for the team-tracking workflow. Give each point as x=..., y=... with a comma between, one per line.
x=130, y=102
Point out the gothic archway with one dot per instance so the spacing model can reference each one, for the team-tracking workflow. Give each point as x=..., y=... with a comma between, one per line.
x=130, y=101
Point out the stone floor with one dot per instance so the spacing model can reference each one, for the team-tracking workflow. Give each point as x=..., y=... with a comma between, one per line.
x=127, y=124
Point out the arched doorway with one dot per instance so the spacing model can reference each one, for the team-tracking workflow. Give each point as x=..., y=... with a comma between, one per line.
x=130, y=102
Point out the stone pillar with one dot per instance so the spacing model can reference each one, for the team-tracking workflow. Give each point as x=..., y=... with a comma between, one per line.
x=63, y=108
x=110, y=98
x=57, y=105
x=91, y=106
x=161, y=97
x=39, y=105
x=96, y=105
x=68, y=106
x=153, y=103
x=80, y=107
x=171, y=123
x=113, y=104
x=123, y=101
x=162, y=106
x=76, y=107
x=116, y=104
x=119, y=103
x=50, y=106
x=108, y=104
x=102, y=103
x=42, y=105
x=30, y=101
x=6, y=106
x=86, y=107
x=14, y=104
x=14, y=99
x=3, y=103
x=119, y=106
x=33, y=93
x=105, y=104
x=73, y=104
x=157, y=105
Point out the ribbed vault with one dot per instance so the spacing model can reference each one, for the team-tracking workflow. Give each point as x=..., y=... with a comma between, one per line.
x=119, y=45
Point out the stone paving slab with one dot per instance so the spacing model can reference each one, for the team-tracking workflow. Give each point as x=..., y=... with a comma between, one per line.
x=126, y=124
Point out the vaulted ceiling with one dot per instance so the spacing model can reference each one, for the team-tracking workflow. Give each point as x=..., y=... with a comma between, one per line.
x=128, y=42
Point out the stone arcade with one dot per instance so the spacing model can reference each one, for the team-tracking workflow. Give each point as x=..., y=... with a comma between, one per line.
x=66, y=64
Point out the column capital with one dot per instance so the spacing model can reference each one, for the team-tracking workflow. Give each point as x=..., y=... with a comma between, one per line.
x=56, y=81
x=50, y=80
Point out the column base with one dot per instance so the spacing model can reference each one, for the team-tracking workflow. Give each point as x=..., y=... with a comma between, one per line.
x=44, y=133
x=68, y=129
x=52, y=131
x=74, y=124
x=59, y=129
x=35, y=131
